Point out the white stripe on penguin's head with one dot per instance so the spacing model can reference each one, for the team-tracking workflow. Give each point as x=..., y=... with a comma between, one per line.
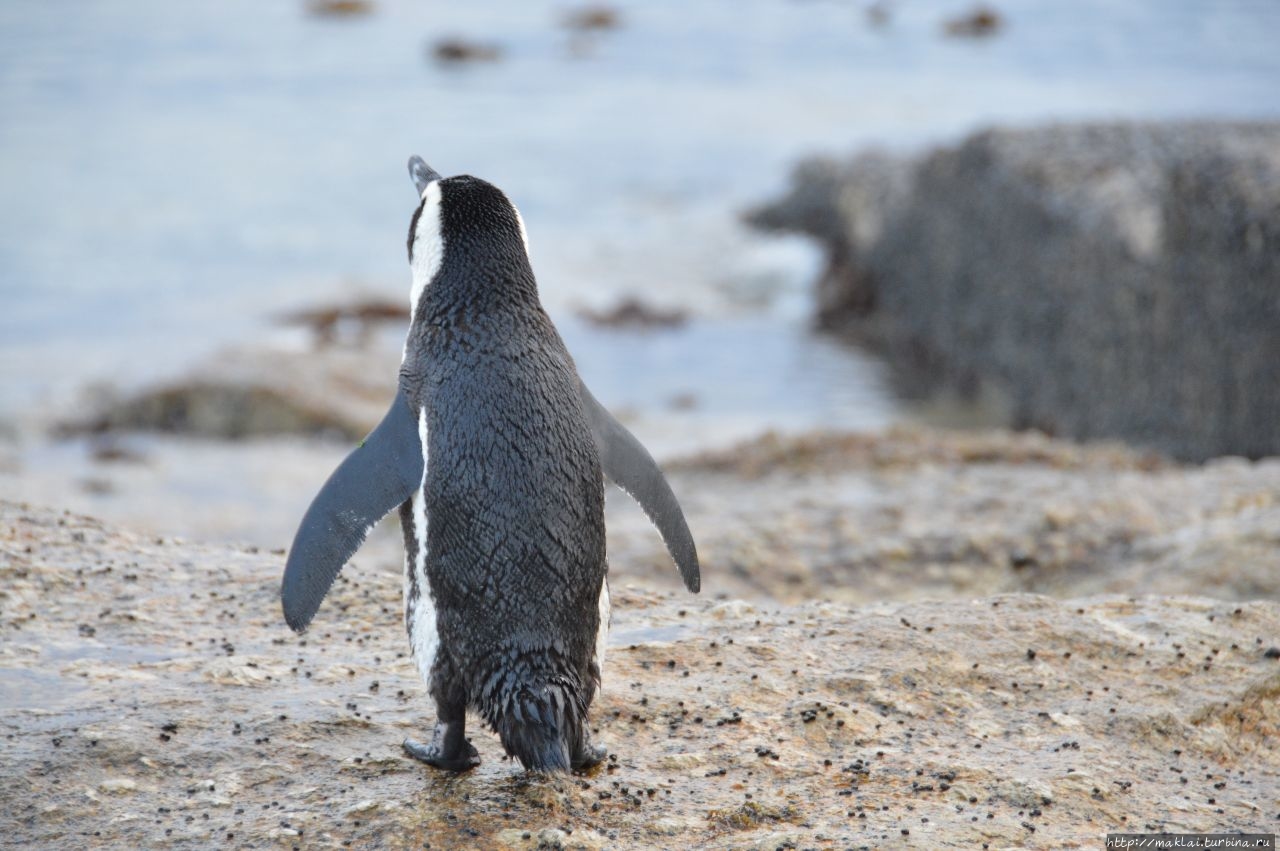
x=524, y=233
x=428, y=244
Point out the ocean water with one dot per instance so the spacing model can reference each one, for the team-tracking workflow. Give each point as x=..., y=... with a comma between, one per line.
x=173, y=174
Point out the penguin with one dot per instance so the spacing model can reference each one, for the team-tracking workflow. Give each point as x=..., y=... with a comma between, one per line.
x=495, y=454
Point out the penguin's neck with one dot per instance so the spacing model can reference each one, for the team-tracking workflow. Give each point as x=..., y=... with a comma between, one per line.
x=442, y=333
x=478, y=285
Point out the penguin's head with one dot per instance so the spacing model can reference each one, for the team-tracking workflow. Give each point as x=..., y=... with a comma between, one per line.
x=465, y=229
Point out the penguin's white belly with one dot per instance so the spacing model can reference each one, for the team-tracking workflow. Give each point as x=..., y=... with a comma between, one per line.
x=423, y=636
x=602, y=632
x=420, y=609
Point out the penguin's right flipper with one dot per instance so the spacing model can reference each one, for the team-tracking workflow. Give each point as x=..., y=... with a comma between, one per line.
x=630, y=466
x=380, y=474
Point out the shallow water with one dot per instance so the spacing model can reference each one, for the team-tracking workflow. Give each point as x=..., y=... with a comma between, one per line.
x=174, y=173
x=721, y=380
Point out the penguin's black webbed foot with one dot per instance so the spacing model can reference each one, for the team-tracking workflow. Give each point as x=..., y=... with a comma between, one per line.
x=464, y=760
x=448, y=749
x=588, y=755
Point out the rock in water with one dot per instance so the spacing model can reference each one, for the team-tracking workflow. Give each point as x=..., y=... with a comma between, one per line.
x=1114, y=280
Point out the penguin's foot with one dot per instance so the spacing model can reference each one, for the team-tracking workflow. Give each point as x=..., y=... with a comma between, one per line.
x=464, y=760
x=589, y=755
x=448, y=749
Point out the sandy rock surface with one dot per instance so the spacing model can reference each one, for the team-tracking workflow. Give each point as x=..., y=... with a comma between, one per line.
x=903, y=515
x=153, y=698
x=916, y=514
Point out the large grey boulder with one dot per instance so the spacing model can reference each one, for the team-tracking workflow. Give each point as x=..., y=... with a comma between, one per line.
x=1114, y=280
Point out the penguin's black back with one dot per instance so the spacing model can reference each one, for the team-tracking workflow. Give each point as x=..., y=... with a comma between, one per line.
x=514, y=490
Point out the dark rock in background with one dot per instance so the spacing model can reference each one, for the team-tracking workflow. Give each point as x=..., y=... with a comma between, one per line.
x=1114, y=280
x=632, y=312
x=252, y=392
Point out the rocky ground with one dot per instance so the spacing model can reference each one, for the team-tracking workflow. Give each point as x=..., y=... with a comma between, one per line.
x=154, y=697
x=918, y=514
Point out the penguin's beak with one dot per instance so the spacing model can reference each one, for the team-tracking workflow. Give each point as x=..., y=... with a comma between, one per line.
x=421, y=173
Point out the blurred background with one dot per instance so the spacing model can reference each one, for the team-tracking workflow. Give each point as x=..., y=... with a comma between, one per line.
x=925, y=307
x=205, y=201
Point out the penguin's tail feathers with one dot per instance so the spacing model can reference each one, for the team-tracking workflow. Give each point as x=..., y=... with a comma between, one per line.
x=541, y=724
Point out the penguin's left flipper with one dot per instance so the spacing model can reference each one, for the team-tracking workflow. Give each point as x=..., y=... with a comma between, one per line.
x=630, y=466
x=380, y=474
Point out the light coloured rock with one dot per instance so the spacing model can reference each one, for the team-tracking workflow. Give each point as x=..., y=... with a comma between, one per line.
x=683, y=761
x=513, y=838
x=115, y=785
x=1024, y=793
x=550, y=839
x=362, y=807
x=235, y=671
x=735, y=609
x=667, y=826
